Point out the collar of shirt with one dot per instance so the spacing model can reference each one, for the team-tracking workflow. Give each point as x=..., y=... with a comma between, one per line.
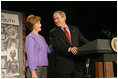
x=66, y=29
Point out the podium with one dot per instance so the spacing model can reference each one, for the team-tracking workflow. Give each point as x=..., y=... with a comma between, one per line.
x=101, y=52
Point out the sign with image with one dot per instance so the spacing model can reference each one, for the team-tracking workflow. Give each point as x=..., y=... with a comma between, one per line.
x=11, y=44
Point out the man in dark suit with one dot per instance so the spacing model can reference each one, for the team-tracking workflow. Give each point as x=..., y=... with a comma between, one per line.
x=66, y=39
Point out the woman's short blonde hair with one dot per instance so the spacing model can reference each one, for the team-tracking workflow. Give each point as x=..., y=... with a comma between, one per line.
x=31, y=21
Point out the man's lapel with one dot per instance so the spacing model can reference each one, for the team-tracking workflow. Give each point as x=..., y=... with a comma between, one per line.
x=72, y=33
x=63, y=35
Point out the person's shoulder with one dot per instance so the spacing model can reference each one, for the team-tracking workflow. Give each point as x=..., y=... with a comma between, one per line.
x=29, y=36
x=54, y=29
x=73, y=26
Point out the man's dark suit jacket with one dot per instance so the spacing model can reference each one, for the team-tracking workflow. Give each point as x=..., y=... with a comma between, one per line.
x=66, y=61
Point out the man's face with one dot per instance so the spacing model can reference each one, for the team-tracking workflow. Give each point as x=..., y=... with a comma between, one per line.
x=9, y=29
x=13, y=67
x=59, y=20
x=13, y=53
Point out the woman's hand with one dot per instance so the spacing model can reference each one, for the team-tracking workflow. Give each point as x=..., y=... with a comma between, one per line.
x=34, y=75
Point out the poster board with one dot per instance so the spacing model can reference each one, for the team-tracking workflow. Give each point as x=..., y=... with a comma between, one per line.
x=11, y=44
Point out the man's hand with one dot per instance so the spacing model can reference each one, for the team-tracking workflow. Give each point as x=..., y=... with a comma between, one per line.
x=34, y=75
x=74, y=50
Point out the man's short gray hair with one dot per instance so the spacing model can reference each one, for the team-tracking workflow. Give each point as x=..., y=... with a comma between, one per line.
x=62, y=13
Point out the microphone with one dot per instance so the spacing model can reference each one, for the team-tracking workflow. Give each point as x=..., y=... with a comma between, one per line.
x=107, y=33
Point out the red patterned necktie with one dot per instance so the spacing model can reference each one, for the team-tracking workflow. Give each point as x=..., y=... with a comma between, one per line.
x=66, y=32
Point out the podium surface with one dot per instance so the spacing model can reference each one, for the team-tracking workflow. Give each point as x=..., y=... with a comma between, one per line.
x=96, y=46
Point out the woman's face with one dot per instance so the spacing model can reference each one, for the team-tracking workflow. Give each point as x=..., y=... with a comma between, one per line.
x=37, y=26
